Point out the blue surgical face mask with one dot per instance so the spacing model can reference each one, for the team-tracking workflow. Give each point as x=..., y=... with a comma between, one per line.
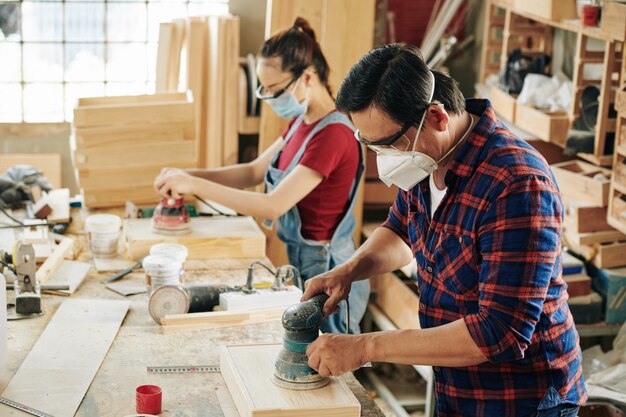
x=287, y=106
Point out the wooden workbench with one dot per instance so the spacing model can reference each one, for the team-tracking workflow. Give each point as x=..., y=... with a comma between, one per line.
x=140, y=343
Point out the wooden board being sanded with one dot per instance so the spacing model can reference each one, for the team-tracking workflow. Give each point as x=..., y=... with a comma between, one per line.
x=210, y=238
x=59, y=369
x=247, y=370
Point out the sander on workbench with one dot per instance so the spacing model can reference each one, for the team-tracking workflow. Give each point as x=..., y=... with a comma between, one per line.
x=302, y=327
x=171, y=217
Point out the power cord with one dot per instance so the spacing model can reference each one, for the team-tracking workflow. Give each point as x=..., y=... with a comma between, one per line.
x=10, y=217
x=212, y=207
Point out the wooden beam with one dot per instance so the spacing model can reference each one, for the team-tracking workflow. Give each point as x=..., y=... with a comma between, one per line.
x=54, y=260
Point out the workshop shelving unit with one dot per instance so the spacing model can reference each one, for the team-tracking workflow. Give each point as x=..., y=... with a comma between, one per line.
x=509, y=25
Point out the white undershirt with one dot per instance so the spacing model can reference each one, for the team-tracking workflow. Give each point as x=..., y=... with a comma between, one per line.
x=436, y=195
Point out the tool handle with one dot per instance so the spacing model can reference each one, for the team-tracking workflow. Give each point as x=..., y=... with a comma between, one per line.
x=121, y=274
x=319, y=299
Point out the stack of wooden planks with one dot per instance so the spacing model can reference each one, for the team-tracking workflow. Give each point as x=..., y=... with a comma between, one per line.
x=121, y=144
x=212, y=75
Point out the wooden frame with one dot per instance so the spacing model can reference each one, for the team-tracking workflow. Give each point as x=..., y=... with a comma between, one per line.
x=247, y=370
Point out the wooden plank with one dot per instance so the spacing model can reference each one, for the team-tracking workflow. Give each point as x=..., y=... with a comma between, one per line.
x=210, y=238
x=115, y=136
x=196, y=42
x=135, y=113
x=596, y=237
x=48, y=163
x=247, y=370
x=177, y=323
x=128, y=177
x=117, y=197
x=46, y=270
x=577, y=284
x=611, y=255
x=585, y=218
x=231, y=84
x=57, y=372
x=166, y=33
x=135, y=154
x=163, y=96
x=70, y=273
x=397, y=300
x=215, y=114
x=604, y=100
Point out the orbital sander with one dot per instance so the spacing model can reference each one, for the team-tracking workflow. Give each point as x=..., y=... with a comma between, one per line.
x=302, y=327
x=171, y=217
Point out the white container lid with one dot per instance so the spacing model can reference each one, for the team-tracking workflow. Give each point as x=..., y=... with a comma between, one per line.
x=103, y=223
x=161, y=265
x=173, y=250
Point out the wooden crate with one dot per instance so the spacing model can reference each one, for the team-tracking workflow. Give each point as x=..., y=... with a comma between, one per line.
x=606, y=255
x=548, y=126
x=620, y=99
x=617, y=209
x=585, y=218
x=556, y=10
x=121, y=144
x=210, y=238
x=614, y=20
x=576, y=182
x=396, y=300
x=504, y=104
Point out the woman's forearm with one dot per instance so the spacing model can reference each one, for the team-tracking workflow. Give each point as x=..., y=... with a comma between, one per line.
x=237, y=176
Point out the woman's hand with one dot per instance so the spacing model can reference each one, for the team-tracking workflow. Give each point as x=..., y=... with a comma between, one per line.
x=175, y=183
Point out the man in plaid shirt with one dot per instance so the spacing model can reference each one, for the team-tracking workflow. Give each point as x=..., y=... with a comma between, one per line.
x=480, y=212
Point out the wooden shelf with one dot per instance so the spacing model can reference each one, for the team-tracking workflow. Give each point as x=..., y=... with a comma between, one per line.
x=598, y=329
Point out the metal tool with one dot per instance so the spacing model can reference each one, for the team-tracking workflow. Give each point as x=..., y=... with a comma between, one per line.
x=171, y=217
x=122, y=274
x=302, y=327
x=183, y=369
x=23, y=408
x=26, y=287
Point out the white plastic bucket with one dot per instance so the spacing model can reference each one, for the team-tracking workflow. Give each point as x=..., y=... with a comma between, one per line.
x=161, y=270
x=173, y=250
x=103, y=233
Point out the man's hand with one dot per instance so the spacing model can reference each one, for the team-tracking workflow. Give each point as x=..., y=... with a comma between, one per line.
x=333, y=283
x=336, y=354
x=174, y=183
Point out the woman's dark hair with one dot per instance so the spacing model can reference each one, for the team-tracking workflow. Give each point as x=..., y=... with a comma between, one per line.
x=298, y=50
x=394, y=78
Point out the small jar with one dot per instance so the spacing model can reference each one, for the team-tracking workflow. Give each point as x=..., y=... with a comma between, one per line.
x=173, y=250
x=103, y=234
x=161, y=270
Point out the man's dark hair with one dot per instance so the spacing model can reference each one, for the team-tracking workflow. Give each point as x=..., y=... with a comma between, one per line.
x=394, y=79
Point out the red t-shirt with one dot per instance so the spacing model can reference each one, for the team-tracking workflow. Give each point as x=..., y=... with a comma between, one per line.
x=334, y=153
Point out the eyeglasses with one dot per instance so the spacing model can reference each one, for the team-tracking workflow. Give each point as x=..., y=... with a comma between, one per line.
x=394, y=141
x=263, y=94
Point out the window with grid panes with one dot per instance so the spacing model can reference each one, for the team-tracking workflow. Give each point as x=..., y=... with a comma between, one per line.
x=53, y=52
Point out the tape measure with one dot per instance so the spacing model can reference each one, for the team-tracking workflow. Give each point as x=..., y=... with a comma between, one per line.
x=182, y=369
x=23, y=407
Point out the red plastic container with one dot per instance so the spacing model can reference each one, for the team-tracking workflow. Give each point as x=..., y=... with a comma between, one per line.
x=149, y=399
x=590, y=15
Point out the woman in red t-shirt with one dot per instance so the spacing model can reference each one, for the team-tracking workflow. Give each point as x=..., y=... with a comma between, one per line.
x=311, y=172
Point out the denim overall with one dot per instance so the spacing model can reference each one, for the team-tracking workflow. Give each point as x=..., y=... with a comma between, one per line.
x=311, y=257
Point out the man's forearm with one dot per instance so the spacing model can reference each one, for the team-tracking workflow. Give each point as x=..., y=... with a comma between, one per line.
x=383, y=251
x=449, y=345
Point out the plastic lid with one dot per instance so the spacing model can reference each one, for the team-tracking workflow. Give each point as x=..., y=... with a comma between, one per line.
x=173, y=250
x=103, y=223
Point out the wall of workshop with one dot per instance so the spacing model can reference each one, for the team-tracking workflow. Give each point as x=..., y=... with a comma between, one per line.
x=252, y=23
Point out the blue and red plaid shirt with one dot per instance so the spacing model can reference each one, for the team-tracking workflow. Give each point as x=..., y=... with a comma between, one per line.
x=491, y=255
